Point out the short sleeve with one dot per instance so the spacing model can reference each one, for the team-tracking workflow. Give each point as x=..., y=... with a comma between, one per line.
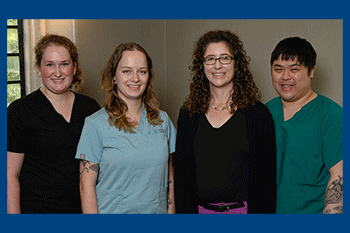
x=332, y=136
x=90, y=145
x=171, y=134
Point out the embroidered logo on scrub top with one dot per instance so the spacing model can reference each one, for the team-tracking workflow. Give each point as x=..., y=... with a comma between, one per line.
x=164, y=134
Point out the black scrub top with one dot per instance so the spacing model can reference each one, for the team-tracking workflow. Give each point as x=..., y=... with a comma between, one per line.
x=49, y=178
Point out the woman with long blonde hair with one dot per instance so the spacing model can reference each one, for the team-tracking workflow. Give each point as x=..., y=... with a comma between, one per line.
x=125, y=148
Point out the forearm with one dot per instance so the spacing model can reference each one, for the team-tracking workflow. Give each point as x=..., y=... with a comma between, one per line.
x=13, y=195
x=88, y=200
x=333, y=202
x=14, y=166
x=171, y=196
x=88, y=177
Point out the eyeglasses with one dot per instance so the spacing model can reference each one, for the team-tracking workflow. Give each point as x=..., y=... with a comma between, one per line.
x=211, y=60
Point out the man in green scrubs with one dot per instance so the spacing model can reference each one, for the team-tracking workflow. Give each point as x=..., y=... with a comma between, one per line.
x=309, y=134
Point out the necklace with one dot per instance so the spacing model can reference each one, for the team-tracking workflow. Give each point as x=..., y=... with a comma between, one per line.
x=220, y=109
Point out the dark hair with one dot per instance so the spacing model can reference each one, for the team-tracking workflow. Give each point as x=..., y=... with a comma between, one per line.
x=114, y=105
x=292, y=47
x=52, y=39
x=245, y=92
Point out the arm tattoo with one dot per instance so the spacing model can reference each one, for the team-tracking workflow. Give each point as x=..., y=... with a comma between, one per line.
x=334, y=195
x=93, y=167
x=339, y=209
x=170, y=201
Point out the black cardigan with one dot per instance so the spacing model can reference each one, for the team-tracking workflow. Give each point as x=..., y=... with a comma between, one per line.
x=262, y=168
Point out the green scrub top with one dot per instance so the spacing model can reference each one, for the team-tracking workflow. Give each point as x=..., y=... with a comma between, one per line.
x=308, y=145
x=133, y=175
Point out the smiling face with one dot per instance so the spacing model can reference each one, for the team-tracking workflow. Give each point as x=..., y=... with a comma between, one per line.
x=131, y=75
x=219, y=75
x=56, y=69
x=291, y=80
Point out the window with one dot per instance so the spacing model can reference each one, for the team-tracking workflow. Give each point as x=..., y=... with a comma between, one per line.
x=15, y=60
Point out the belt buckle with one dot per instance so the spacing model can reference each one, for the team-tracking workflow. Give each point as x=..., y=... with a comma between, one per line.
x=224, y=205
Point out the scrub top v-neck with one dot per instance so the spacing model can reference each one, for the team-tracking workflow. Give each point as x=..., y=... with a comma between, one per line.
x=308, y=145
x=133, y=171
x=57, y=117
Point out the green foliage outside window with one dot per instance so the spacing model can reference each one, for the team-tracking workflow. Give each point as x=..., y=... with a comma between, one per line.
x=12, y=22
x=13, y=93
x=12, y=40
x=13, y=70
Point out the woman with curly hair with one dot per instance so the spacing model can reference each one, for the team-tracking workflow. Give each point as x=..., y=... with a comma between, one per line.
x=44, y=128
x=225, y=147
x=125, y=148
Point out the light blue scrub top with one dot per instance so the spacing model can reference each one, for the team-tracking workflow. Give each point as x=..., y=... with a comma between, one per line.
x=133, y=176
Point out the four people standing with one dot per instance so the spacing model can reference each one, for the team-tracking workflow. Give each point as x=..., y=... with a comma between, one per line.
x=225, y=146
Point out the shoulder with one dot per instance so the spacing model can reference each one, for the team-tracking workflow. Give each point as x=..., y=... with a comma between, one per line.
x=86, y=99
x=185, y=114
x=167, y=122
x=163, y=115
x=258, y=109
x=326, y=110
x=258, y=116
x=186, y=121
x=327, y=103
x=273, y=102
x=85, y=105
x=185, y=117
x=23, y=103
x=97, y=122
x=100, y=117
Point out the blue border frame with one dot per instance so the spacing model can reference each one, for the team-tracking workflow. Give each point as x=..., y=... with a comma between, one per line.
x=177, y=10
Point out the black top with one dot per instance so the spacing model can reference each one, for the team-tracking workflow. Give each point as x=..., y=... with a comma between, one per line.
x=262, y=161
x=49, y=178
x=221, y=158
